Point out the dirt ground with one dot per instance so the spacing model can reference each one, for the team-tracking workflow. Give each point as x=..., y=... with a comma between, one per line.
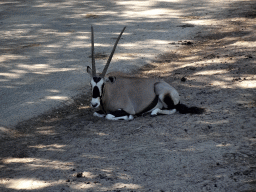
x=68, y=149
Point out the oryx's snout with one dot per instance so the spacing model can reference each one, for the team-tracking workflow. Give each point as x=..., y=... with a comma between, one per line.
x=95, y=102
x=94, y=105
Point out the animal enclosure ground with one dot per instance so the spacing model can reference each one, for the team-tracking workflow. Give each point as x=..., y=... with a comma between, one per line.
x=68, y=149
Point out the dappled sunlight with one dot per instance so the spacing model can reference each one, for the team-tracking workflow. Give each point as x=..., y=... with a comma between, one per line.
x=246, y=44
x=145, y=9
x=9, y=57
x=53, y=45
x=137, y=4
x=205, y=22
x=42, y=69
x=96, y=45
x=248, y=84
x=46, y=130
x=53, y=90
x=155, y=42
x=88, y=175
x=3, y=130
x=26, y=184
x=83, y=186
x=15, y=32
x=126, y=185
x=211, y=72
x=108, y=170
x=126, y=56
x=224, y=145
x=154, y=14
x=11, y=75
x=58, y=5
x=173, y=1
x=51, y=147
x=57, y=97
x=18, y=160
x=54, y=70
x=129, y=45
x=81, y=36
x=34, y=67
x=38, y=163
x=12, y=133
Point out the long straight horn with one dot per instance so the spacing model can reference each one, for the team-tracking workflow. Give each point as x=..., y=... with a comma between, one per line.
x=93, y=59
x=111, y=55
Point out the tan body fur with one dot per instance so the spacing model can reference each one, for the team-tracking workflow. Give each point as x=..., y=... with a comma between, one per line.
x=133, y=94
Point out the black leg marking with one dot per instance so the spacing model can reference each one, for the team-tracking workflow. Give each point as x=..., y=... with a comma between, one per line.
x=100, y=112
x=120, y=113
x=168, y=101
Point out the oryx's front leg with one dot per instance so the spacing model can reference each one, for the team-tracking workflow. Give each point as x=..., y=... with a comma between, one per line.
x=99, y=113
x=119, y=115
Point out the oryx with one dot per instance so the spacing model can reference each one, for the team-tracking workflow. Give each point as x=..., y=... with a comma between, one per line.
x=119, y=96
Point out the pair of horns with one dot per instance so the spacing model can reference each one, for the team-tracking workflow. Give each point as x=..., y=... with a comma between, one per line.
x=110, y=56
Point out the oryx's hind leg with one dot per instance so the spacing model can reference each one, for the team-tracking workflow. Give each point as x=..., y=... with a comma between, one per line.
x=119, y=115
x=162, y=112
x=167, y=108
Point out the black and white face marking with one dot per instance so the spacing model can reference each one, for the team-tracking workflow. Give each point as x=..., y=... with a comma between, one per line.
x=97, y=84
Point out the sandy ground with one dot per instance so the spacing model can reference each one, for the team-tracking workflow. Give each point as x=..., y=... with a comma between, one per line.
x=67, y=149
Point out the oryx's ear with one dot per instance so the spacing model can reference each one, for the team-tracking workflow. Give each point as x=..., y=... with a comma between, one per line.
x=89, y=70
x=111, y=79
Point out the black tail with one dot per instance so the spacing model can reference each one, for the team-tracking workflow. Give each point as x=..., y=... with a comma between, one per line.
x=183, y=109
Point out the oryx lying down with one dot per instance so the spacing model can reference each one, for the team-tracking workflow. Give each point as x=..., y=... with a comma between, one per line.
x=120, y=97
